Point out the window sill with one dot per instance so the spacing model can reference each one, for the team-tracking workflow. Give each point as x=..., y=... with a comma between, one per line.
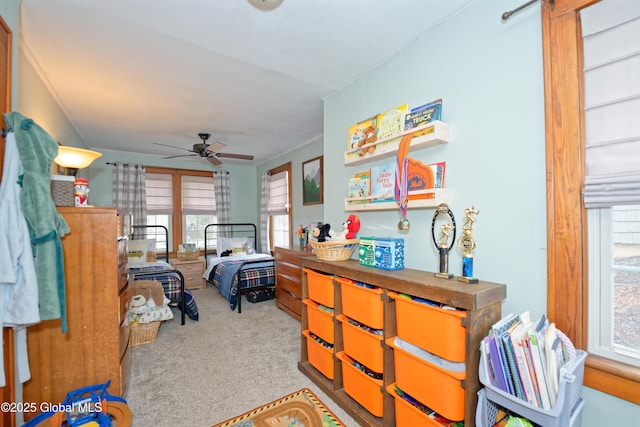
x=612, y=377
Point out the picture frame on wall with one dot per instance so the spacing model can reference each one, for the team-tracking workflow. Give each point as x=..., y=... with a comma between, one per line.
x=312, y=181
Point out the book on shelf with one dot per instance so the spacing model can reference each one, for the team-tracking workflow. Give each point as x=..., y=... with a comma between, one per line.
x=390, y=124
x=359, y=133
x=359, y=189
x=419, y=116
x=383, y=183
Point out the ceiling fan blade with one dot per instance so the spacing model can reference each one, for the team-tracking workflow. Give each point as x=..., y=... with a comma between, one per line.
x=216, y=146
x=181, y=155
x=214, y=161
x=171, y=146
x=235, y=156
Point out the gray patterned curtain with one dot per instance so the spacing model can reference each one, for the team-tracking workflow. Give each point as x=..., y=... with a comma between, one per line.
x=264, y=215
x=222, y=189
x=129, y=191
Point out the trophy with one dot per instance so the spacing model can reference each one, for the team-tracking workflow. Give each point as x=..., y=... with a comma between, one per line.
x=442, y=243
x=467, y=243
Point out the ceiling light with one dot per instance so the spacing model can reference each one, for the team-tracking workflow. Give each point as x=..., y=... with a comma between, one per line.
x=72, y=158
x=265, y=4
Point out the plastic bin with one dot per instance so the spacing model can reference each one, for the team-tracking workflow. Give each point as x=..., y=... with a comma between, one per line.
x=568, y=406
x=319, y=356
x=362, y=304
x=365, y=390
x=408, y=415
x=320, y=322
x=437, y=388
x=361, y=345
x=320, y=287
x=434, y=329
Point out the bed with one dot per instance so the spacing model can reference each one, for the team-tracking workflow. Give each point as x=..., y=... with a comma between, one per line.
x=161, y=270
x=243, y=270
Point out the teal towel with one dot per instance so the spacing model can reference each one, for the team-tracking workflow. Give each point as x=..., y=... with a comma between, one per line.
x=46, y=226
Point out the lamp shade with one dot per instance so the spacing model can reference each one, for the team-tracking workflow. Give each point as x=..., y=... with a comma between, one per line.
x=265, y=4
x=75, y=158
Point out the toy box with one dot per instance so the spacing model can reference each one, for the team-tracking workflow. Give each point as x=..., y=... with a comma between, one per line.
x=366, y=251
x=389, y=253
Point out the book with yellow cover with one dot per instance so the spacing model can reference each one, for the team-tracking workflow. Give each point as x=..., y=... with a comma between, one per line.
x=391, y=123
x=359, y=134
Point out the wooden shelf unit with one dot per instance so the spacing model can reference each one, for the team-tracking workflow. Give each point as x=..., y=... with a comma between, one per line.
x=289, y=279
x=441, y=196
x=482, y=303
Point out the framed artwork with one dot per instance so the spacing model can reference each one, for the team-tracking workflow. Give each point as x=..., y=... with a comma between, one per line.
x=312, y=181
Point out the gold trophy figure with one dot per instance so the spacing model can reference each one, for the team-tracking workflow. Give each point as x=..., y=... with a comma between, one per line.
x=442, y=244
x=467, y=243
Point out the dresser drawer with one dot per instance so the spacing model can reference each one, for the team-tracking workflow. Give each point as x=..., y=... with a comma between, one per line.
x=293, y=287
x=125, y=302
x=291, y=302
x=123, y=277
x=122, y=251
x=194, y=281
x=294, y=271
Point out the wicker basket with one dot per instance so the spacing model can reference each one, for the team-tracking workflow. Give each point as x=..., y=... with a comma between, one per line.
x=62, y=190
x=188, y=256
x=338, y=250
x=144, y=333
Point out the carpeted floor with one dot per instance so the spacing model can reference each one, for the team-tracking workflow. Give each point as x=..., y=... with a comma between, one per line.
x=226, y=364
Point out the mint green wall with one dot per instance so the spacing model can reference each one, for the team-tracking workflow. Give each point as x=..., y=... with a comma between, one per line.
x=301, y=214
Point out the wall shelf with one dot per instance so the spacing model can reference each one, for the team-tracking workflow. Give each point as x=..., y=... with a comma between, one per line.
x=441, y=196
x=435, y=133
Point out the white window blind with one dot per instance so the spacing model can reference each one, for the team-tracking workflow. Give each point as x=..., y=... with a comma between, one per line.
x=278, y=194
x=159, y=194
x=611, y=38
x=198, y=196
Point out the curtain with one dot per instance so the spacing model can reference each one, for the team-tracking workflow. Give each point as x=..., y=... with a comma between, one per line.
x=129, y=191
x=264, y=214
x=222, y=188
x=611, y=39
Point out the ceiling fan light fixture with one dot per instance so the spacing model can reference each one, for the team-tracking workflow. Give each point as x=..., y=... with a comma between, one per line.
x=265, y=4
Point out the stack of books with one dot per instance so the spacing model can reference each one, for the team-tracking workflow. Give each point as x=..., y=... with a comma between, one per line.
x=523, y=358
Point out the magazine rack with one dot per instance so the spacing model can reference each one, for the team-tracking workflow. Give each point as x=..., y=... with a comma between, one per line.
x=567, y=411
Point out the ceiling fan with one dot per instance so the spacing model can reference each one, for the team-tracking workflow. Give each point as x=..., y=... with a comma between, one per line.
x=208, y=151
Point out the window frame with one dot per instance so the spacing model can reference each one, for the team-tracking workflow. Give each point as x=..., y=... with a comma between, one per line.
x=176, y=185
x=567, y=242
x=286, y=167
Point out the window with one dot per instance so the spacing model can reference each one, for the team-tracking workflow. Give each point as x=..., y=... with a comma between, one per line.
x=279, y=206
x=567, y=225
x=183, y=201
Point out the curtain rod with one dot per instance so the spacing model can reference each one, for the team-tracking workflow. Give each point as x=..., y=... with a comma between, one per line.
x=509, y=13
x=126, y=165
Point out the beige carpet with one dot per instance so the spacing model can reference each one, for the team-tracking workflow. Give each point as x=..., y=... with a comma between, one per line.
x=209, y=371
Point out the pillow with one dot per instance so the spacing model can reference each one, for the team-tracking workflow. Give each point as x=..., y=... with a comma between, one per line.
x=139, y=250
x=234, y=244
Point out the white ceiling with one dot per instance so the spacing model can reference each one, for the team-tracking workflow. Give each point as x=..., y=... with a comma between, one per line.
x=129, y=73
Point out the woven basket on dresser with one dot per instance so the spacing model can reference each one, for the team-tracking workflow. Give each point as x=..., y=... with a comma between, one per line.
x=144, y=333
x=338, y=250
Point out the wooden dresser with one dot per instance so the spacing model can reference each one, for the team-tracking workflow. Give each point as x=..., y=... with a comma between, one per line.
x=289, y=279
x=95, y=349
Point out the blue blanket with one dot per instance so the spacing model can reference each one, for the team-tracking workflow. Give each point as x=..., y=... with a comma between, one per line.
x=225, y=277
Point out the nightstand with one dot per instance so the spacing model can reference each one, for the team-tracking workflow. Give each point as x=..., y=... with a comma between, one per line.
x=192, y=270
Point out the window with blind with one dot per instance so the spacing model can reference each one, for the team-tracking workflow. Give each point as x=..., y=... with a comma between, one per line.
x=279, y=206
x=611, y=42
x=183, y=201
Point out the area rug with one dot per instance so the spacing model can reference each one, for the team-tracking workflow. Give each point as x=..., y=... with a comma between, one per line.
x=299, y=409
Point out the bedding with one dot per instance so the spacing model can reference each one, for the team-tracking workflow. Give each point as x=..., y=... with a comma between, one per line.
x=171, y=283
x=252, y=270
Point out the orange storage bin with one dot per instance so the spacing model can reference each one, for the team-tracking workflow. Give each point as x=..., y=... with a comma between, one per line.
x=365, y=390
x=320, y=322
x=431, y=328
x=408, y=415
x=319, y=356
x=362, y=304
x=361, y=345
x=437, y=388
x=320, y=287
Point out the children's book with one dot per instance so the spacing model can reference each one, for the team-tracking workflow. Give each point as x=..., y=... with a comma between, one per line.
x=358, y=132
x=391, y=123
x=383, y=183
x=359, y=188
x=439, y=170
x=423, y=114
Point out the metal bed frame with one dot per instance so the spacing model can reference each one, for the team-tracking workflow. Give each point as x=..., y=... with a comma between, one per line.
x=235, y=229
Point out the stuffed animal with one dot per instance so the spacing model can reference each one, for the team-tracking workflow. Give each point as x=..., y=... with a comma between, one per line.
x=145, y=290
x=350, y=227
x=321, y=232
x=369, y=137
